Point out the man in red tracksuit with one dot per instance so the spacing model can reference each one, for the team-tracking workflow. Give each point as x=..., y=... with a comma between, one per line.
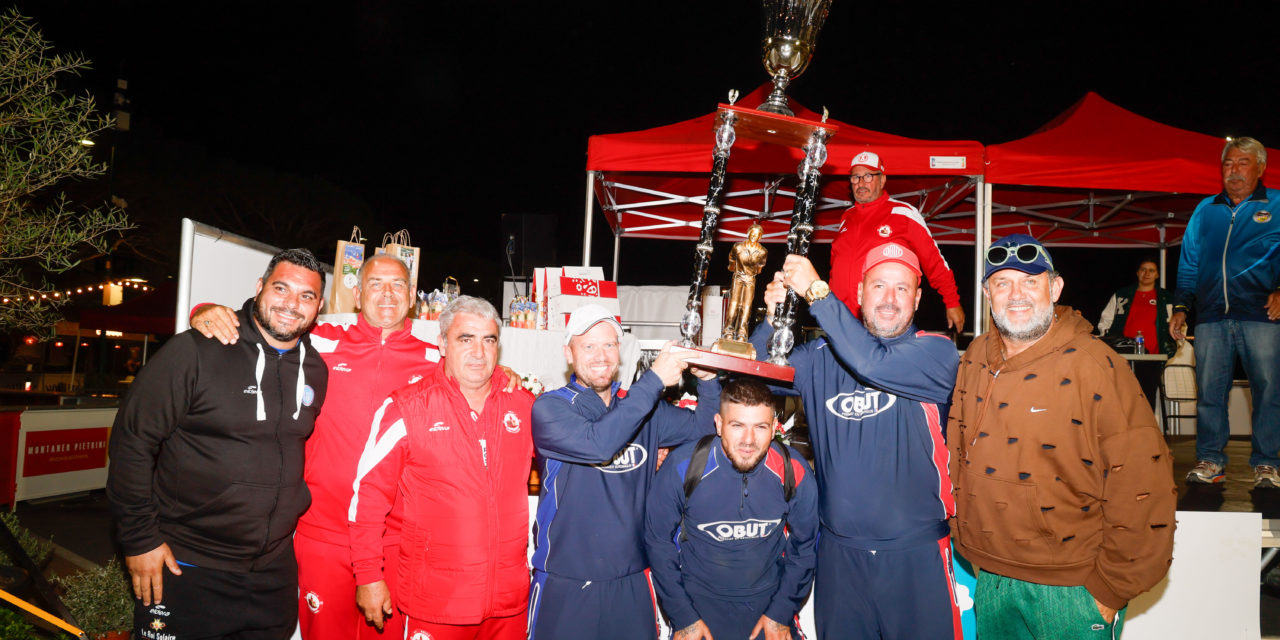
x=875, y=219
x=458, y=449
x=366, y=361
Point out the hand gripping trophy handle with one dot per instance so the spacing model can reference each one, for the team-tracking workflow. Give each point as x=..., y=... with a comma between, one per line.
x=691, y=323
x=782, y=340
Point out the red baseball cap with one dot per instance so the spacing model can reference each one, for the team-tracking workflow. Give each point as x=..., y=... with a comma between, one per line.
x=892, y=252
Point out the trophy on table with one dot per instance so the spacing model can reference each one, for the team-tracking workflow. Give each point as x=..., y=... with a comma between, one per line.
x=790, y=33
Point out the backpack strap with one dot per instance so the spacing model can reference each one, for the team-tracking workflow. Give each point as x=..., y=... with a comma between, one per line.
x=697, y=465
x=788, y=473
x=693, y=475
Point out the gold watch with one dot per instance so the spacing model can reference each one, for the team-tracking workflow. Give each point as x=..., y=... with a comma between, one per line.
x=817, y=290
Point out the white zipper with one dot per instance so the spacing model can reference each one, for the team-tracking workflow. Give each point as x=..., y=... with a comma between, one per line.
x=1225, y=300
x=484, y=452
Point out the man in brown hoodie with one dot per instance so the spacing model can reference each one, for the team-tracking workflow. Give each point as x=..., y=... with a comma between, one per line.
x=1064, y=486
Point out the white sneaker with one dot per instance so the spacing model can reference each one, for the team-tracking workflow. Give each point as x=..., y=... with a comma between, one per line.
x=1265, y=476
x=1206, y=472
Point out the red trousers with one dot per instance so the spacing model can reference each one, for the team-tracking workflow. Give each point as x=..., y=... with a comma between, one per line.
x=327, y=593
x=508, y=628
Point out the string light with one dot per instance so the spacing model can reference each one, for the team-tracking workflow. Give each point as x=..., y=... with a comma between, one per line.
x=135, y=284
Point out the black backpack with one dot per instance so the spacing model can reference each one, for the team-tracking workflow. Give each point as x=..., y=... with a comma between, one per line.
x=698, y=466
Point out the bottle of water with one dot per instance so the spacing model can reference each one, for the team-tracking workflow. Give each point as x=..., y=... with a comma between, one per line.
x=1142, y=346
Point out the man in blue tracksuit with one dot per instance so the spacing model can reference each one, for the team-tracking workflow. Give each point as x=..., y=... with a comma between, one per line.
x=733, y=554
x=875, y=397
x=1229, y=273
x=596, y=446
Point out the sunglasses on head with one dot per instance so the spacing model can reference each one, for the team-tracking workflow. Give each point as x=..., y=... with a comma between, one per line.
x=1025, y=253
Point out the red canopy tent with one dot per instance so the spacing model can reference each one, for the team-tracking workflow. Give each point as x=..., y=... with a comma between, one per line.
x=1104, y=177
x=653, y=183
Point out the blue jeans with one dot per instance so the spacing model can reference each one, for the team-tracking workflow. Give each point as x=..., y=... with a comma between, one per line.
x=1258, y=346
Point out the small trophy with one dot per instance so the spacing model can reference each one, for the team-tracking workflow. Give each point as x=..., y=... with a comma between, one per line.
x=746, y=259
x=790, y=34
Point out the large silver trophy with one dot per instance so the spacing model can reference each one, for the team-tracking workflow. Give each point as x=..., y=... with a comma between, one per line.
x=790, y=34
x=791, y=29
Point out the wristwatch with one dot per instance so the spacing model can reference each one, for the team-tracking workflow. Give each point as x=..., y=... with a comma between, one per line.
x=817, y=290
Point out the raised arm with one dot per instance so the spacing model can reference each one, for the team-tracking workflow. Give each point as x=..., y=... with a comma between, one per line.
x=920, y=367
x=677, y=426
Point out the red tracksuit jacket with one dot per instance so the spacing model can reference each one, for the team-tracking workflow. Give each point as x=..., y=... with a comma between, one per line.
x=363, y=370
x=867, y=226
x=464, y=480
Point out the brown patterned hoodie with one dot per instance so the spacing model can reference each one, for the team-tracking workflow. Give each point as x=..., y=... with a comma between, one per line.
x=1061, y=475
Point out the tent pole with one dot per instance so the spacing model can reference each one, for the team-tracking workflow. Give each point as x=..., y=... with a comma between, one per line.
x=1163, y=255
x=980, y=224
x=586, y=220
x=617, y=247
x=75, y=356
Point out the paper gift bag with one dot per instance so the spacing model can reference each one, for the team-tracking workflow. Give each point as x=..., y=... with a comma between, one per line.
x=399, y=245
x=346, y=269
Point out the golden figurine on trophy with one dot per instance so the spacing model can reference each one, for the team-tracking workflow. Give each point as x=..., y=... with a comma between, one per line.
x=746, y=259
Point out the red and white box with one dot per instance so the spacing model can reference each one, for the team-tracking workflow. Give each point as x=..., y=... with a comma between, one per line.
x=562, y=290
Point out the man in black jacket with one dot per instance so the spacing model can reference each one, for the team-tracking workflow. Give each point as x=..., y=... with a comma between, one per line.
x=206, y=467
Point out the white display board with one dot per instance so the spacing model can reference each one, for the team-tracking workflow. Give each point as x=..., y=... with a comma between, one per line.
x=1209, y=548
x=220, y=266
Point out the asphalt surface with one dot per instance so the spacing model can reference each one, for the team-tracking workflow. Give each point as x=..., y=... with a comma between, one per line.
x=80, y=525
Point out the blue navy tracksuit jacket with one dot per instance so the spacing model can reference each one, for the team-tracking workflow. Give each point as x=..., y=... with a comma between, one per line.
x=876, y=410
x=734, y=548
x=596, y=464
x=1230, y=258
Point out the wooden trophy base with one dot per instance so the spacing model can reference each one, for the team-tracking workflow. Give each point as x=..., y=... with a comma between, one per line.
x=738, y=364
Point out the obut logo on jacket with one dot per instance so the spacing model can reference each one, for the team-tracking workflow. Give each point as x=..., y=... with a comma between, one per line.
x=629, y=459
x=740, y=530
x=860, y=404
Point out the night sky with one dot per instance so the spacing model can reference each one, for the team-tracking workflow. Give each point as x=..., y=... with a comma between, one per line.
x=441, y=116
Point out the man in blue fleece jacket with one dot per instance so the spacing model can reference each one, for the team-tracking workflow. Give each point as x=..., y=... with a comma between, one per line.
x=733, y=556
x=875, y=397
x=596, y=445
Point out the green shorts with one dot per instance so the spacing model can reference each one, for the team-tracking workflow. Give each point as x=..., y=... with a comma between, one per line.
x=1009, y=609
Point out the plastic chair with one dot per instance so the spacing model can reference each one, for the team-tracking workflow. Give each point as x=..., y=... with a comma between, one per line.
x=1178, y=388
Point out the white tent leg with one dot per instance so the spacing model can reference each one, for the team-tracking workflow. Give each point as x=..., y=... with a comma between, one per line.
x=586, y=218
x=981, y=238
x=617, y=248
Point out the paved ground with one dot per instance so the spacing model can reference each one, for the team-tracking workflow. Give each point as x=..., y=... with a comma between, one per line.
x=81, y=525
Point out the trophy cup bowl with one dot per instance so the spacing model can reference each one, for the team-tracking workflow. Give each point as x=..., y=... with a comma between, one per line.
x=790, y=34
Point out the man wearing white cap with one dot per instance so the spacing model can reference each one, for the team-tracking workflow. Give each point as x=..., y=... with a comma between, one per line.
x=595, y=444
x=874, y=219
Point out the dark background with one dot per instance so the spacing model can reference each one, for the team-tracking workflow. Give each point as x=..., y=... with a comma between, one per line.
x=291, y=121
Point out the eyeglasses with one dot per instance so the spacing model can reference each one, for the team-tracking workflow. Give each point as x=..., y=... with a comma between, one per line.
x=866, y=177
x=1025, y=253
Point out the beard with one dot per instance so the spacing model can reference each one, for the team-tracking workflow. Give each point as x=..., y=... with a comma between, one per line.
x=873, y=323
x=260, y=315
x=1031, y=329
x=744, y=465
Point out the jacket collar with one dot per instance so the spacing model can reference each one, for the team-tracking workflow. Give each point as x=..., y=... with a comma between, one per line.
x=370, y=332
x=584, y=389
x=1259, y=195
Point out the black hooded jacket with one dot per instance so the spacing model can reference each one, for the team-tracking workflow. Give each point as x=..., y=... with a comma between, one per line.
x=207, y=448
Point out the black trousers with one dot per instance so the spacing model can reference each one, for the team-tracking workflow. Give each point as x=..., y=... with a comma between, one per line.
x=208, y=603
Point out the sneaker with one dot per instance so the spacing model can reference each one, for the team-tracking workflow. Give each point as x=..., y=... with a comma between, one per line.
x=1265, y=476
x=1206, y=472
